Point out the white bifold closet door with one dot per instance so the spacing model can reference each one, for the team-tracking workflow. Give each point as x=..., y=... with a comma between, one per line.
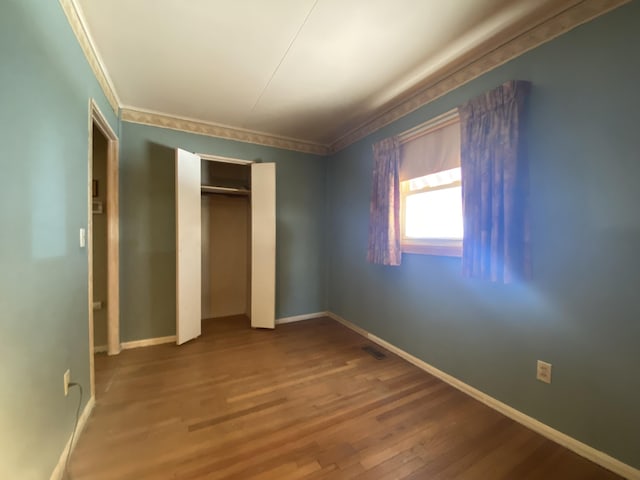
x=263, y=245
x=188, y=239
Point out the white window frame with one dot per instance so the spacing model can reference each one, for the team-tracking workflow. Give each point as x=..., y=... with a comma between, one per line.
x=427, y=246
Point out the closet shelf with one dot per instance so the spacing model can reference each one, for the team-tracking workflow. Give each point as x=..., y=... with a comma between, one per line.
x=224, y=190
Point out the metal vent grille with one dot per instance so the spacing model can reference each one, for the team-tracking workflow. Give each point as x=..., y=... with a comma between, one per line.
x=375, y=353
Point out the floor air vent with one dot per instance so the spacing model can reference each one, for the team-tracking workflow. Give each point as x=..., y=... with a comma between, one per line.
x=377, y=354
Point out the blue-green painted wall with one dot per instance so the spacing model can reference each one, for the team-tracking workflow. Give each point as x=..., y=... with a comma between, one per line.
x=147, y=228
x=582, y=310
x=45, y=86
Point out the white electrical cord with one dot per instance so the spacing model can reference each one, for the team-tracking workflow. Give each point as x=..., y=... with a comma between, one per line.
x=73, y=435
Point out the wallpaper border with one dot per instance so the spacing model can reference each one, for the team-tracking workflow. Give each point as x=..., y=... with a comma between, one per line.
x=86, y=44
x=221, y=131
x=575, y=15
x=570, y=18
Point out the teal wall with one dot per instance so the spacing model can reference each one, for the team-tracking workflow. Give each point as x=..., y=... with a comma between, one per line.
x=582, y=310
x=45, y=86
x=147, y=226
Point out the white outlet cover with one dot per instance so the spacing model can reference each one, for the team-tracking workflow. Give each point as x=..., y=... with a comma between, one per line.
x=543, y=372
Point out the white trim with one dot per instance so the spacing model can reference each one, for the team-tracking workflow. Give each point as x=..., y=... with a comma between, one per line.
x=97, y=118
x=497, y=52
x=211, y=129
x=299, y=318
x=79, y=26
x=217, y=158
x=348, y=324
x=582, y=449
x=148, y=342
x=58, y=471
x=436, y=123
x=546, y=27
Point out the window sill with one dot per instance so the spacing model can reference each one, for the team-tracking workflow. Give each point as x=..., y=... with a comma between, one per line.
x=453, y=249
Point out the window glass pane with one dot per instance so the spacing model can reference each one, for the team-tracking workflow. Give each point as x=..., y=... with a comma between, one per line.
x=436, y=214
x=435, y=179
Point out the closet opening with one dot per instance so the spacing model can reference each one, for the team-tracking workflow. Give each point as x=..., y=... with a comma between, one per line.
x=226, y=241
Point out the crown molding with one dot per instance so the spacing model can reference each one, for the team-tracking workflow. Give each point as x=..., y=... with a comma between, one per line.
x=156, y=119
x=564, y=21
x=433, y=88
x=78, y=26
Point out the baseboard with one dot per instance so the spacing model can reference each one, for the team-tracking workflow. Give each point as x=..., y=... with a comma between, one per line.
x=299, y=318
x=58, y=471
x=147, y=342
x=582, y=449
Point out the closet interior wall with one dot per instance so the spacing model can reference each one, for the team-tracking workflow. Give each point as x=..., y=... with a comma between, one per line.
x=226, y=246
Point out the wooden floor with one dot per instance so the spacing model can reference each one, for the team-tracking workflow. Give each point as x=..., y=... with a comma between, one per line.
x=301, y=402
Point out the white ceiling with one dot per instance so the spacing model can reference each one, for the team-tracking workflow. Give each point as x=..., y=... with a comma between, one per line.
x=310, y=70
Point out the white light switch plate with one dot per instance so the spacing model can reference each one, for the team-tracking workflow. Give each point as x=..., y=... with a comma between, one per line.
x=83, y=237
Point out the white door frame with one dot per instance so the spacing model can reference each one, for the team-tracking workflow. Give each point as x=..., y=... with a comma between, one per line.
x=113, y=236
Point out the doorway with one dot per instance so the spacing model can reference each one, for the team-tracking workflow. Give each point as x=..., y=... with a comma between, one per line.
x=103, y=239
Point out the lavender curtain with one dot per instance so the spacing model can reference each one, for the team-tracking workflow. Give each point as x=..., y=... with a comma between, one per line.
x=384, y=211
x=496, y=243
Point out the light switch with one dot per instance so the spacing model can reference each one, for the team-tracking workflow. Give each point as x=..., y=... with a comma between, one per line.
x=83, y=237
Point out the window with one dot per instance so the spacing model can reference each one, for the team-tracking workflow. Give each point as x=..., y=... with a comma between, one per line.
x=431, y=214
x=430, y=188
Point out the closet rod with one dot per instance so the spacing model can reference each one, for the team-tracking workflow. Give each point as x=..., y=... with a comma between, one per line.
x=224, y=190
x=216, y=158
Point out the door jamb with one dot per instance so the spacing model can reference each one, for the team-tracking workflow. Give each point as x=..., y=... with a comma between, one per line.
x=113, y=236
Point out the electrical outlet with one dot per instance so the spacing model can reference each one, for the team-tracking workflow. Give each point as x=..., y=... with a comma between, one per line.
x=67, y=380
x=544, y=372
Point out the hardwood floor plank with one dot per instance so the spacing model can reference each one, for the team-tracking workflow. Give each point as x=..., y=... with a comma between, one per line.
x=301, y=402
x=237, y=414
